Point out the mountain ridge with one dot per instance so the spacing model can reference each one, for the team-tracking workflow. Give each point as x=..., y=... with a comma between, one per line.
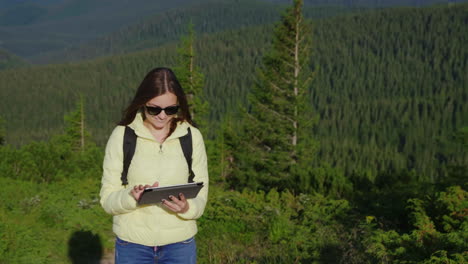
x=44, y=27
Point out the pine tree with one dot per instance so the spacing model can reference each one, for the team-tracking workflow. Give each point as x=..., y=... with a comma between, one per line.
x=190, y=77
x=75, y=132
x=277, y=125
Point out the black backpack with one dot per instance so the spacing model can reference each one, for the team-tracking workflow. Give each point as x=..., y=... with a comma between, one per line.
x=129, y=145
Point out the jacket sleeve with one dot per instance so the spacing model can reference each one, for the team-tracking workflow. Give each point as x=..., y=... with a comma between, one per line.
x=200, y=169
x=115, y=198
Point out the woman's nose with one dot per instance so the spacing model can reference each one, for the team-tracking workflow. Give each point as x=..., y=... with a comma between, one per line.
x=162, y=115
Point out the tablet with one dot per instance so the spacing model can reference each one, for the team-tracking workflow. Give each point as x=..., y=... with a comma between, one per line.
x=154, y=195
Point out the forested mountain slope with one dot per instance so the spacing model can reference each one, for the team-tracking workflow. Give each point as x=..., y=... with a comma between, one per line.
x=163, y=27
x=8, y=60
x=29, y=28
x=208, y=17
x=393, y=88
x=372, y=3
x=33, y=29
x=390, y=87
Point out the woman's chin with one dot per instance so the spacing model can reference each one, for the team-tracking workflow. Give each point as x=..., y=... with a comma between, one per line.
x=160, y=125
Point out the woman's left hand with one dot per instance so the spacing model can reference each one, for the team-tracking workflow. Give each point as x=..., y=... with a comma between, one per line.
x=177, y=204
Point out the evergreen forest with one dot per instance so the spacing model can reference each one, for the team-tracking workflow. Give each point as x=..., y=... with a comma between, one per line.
x=334, y=135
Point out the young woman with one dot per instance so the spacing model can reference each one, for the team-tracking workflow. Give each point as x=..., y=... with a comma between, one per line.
x=162, y=232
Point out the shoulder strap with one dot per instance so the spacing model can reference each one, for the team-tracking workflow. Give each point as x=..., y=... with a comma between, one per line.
x=129, y=145
x=186, y=144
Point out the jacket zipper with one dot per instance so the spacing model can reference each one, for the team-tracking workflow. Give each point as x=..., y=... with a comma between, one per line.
x=160, y=149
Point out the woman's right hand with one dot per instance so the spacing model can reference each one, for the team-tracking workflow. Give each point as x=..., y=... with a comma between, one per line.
x=139, y=189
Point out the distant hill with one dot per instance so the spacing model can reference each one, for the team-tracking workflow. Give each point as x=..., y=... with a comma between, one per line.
x=373, y=3
x=10, y=61
x=35, y=30
x=29, y=28
x=209, y=17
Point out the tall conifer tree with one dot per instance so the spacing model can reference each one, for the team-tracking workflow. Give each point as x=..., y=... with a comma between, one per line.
x=75, y=132
x=190, y=77
x=277, y=125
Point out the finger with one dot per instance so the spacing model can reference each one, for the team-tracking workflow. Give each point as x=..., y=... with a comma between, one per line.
x=182, y=197
x=155, y=184
x=135, y=194
x=171, y=206
x=177, y=201
x=174, y=198
x=182, y=204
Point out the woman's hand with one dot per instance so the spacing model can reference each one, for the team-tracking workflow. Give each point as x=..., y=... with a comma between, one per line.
x=177, y=205
x=139, y=189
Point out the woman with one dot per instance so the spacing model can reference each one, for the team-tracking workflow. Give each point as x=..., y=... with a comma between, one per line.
x=165, y=232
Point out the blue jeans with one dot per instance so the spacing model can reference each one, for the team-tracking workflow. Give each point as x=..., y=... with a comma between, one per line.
x=184, y=252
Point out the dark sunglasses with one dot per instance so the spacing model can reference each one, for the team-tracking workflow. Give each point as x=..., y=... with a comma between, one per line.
x=156, y=110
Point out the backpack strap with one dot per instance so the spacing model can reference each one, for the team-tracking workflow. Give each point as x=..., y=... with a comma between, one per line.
x=186, y=144
x=129, y=145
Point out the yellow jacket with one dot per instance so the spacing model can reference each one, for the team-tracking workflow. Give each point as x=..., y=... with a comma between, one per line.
x=152, y=225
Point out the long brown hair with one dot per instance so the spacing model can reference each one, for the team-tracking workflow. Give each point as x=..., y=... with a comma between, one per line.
x=158, y=82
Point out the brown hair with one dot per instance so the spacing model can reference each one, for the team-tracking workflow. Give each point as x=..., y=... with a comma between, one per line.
x=158, y=82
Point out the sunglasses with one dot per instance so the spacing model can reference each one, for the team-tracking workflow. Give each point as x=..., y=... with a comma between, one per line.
x=156, y=110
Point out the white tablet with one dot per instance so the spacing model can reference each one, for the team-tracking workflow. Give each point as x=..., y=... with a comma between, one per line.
x=154, y=195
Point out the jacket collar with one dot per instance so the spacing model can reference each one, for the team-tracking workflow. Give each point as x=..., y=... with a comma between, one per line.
x=142, y=131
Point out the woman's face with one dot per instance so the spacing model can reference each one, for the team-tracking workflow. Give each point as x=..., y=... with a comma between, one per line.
x=163, y=119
